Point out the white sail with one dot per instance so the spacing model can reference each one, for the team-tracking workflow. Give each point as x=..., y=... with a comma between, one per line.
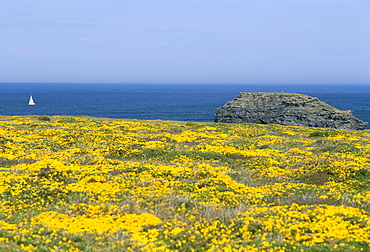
x=31, y=102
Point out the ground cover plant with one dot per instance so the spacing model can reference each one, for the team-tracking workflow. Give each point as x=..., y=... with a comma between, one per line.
x=93, y=184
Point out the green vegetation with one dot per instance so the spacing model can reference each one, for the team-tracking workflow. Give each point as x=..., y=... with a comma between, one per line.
x=93, y=184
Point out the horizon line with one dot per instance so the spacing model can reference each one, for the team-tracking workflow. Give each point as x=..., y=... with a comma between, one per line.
x=176, y=83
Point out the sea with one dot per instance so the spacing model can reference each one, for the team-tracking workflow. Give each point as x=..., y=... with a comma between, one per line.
x=179, y=102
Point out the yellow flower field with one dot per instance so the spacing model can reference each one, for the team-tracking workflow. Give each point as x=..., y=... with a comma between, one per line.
x=94, y=184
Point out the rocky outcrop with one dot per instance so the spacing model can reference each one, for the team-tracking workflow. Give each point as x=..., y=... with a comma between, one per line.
x=286, y=109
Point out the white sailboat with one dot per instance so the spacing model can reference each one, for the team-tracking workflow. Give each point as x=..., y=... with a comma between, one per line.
x=31, y=102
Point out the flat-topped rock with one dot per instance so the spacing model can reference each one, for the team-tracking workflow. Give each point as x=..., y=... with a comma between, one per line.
x=286, y=109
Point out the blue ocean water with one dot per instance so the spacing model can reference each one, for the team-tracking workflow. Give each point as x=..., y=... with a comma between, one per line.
x=180, y=102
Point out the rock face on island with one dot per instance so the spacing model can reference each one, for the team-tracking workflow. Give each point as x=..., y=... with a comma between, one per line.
x=286, y=109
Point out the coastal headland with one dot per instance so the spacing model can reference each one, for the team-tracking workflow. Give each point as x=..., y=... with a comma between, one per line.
x=286, y=109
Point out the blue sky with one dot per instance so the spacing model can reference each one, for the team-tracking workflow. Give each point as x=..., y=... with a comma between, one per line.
x=185, y=41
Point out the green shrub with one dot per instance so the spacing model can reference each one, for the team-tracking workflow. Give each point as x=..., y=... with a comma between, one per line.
x=67, y=120
x=323, y=133
x=43, y=118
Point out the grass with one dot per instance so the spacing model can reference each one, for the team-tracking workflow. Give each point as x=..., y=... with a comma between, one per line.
x=95, y=184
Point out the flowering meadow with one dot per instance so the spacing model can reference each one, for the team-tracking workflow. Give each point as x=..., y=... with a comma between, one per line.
x=94, y=184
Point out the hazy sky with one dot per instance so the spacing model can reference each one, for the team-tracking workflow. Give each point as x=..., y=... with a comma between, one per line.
x=185, y=41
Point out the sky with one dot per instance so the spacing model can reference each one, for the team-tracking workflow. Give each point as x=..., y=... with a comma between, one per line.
x=185, y=41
